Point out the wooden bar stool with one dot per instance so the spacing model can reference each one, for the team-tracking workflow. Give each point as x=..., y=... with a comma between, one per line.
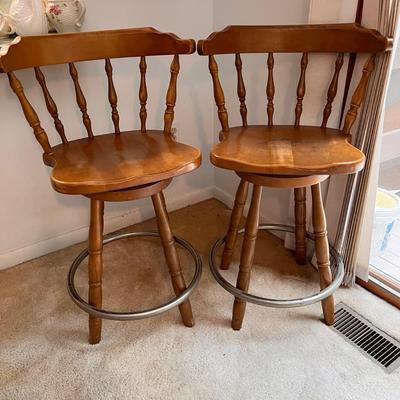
x=118, y=166
x=286, y=156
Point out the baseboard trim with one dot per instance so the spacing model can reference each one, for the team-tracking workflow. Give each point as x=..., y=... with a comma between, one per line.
x=134, y=216
x=225, y=197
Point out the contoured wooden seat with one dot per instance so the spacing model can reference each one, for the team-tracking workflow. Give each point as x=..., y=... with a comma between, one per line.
x=113, y=162
x=116, y=166
x=287, y=150
x=286, y=156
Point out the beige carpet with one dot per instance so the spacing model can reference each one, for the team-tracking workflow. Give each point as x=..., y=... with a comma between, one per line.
x=278, y=354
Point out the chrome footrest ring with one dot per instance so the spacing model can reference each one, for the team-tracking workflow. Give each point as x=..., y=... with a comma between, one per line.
x=337, y=268
x=133, y=315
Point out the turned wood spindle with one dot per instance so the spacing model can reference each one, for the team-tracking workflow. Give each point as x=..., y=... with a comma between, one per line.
x=241, y=89
x=270, y=89
x=218, y=94
x=112, y=96
x=171, y=256
x=236, y=216
x=322, y=250
x=30, y=114
x=247, y=256
x=171, y=96
x=301, y=89
x=80, y=99
x=332, y=90
x=359, y=95
x=143, y=94
x=300, y=223
x=50, y=104
x=95, y=267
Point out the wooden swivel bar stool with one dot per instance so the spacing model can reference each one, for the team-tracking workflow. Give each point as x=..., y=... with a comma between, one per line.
x=118, y=166
x=286, y=156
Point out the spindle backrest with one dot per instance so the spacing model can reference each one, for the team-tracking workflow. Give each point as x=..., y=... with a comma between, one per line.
x=305, y=39
x=37, y=51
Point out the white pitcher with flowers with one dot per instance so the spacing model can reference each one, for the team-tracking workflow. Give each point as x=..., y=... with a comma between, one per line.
x=66, y=15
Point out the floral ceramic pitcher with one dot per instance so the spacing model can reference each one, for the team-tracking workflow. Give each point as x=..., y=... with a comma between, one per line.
x=66, y=15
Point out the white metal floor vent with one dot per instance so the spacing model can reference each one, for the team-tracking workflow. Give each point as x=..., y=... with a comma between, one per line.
x=371, y=341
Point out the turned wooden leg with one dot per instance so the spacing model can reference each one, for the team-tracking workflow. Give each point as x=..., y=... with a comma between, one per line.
x=322, y=250
x=247, y=256
x=300, y=220
x=95, y=266
x=164, y=204
x=236, y=216
x=171, y=256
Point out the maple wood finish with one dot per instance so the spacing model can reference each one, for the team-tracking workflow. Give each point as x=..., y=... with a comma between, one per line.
x=332, y=90
x=247, y=256
x=171, y=256
x=300, y=221
x=112, y=162
x=270, y=89
x=51, y=105
x=287, y=156
x=237, y=214
x=287, y=150
x=116, y=166
x=143, y=93
x=322, y=250
x=283, y=181
x=95, y=267
x=112, y=95
x=318, y=38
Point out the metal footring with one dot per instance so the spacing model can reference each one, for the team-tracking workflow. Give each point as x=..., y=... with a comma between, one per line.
x=336, y=267
x=133, y=315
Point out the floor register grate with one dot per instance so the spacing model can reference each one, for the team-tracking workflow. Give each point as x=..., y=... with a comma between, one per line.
x=371, y=341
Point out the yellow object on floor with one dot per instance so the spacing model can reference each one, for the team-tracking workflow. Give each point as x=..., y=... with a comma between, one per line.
x=385, y=200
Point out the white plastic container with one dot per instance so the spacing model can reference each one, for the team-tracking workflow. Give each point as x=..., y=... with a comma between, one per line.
x=387, y=210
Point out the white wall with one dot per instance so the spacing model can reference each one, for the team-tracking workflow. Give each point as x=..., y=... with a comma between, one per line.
x=34, y=219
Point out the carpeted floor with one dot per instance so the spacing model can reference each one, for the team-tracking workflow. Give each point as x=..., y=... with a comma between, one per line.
x=278, y=354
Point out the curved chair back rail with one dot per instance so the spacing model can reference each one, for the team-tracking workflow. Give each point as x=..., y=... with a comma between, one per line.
x=69, y=48
x=63, y=48
x=305, y=39
x=318, y=38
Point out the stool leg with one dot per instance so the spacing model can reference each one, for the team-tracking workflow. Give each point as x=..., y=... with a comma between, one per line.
x=95, y=266
x=171, y=256
x=300, y=219
x=247, y=256
x=164, y=204
x=322, y=250
x=236, y=216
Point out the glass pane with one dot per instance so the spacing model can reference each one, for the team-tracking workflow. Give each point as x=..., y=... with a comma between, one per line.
x=385, y=246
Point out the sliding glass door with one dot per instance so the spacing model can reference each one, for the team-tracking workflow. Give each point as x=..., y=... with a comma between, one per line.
x=385, y=243
x=379, y=265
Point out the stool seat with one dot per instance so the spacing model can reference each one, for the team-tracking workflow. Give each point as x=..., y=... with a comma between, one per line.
x=287, y=150
x=113, y=162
